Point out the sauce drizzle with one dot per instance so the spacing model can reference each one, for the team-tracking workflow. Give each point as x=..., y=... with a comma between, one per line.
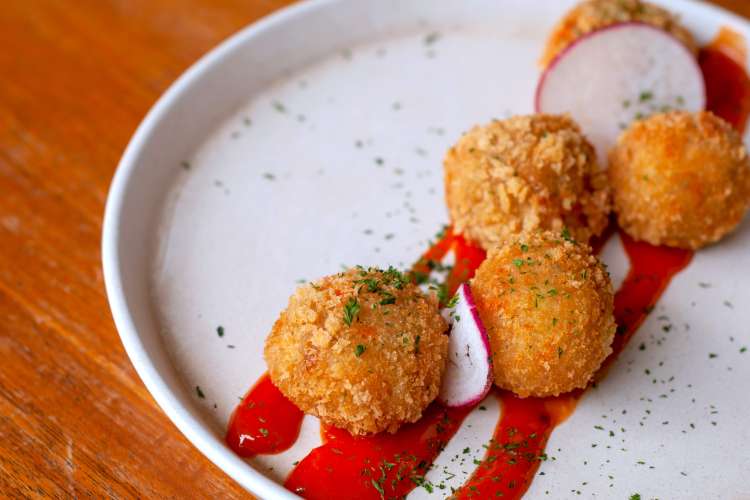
x=265, y=422
x=727, y=84
x=380, y=466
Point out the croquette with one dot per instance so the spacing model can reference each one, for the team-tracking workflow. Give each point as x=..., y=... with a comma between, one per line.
x=591, y=15
x=547, y=304
x=680, y=179
x=522, y=174
x=363, y=350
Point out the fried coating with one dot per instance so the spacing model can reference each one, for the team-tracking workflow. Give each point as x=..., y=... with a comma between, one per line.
x=363, y=350
x=680, y=179
x=591, y=15
x=547, y=304
x=523, y=174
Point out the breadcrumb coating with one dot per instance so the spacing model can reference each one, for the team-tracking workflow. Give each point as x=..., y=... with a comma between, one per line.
x=547, y=304
x=680, y=179
x=523, y=174
x=591, y=15
x=363, y=350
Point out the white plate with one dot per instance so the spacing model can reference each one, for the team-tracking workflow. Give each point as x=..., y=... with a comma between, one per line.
x=314, y=139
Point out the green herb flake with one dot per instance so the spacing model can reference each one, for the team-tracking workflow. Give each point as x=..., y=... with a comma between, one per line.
x=518, y=262
x=453, y=302
x=646, y=95
x=263, y=431
x=351, y=310
x=565, y=234
x=431, y=38
x=359, y=350
x=220, y=331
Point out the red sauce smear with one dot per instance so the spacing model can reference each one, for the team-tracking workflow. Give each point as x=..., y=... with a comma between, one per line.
x=468, y=258
x=391, y=465
x=727, y=84
x=517, y=446
x=380, y=466
x=264, y=422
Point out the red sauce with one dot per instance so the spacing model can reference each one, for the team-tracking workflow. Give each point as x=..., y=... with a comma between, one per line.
x=651, y=270
x=517, y=446
x=264, y=422
x=434, y=254
x=383, y=465
x=727, y=84
x=468, y=258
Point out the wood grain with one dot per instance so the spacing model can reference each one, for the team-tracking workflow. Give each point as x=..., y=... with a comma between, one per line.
x=76, y=78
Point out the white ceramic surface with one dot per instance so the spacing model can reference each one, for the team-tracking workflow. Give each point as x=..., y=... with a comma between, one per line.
x=313, y=139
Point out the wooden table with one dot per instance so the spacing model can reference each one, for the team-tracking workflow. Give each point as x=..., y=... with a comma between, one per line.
x=76, y=78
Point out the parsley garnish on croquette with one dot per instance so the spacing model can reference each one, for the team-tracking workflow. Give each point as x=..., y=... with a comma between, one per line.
x=566, y=235
x=351, y=310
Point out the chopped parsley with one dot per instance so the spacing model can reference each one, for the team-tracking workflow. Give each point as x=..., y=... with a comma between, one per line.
x=351, y=310
x=453, y=302
x=263, y=431
x=378, y=487
x=566, y=235
x=431, y=38
x=388, y=298
x=359, y=350
x=220, y=331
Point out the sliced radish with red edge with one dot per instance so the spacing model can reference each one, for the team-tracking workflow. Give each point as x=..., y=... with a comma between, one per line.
x=608, y=78
x=468, y=376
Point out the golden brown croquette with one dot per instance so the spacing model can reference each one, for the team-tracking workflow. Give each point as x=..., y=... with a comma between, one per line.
x=363, y=350
x=547, y=304
x=680, y=179
x=591, y=15
x=523, y=174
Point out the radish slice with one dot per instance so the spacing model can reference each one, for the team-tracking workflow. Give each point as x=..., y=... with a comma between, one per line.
x=610, y=77
x=468, y=376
